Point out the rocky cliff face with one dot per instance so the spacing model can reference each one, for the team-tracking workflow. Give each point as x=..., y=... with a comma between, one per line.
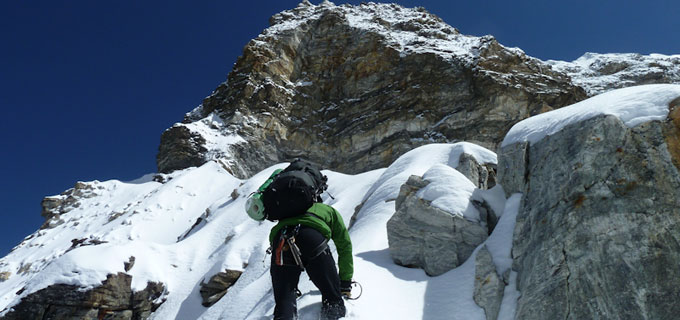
x=598, y=233
x=354, y=87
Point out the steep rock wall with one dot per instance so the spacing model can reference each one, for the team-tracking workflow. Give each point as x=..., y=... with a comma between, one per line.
x=598, y=233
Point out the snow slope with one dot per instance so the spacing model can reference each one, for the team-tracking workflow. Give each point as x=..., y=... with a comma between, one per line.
x=601, y=72
x=157, y=224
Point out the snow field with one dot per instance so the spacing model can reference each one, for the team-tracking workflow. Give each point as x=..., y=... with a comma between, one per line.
x=186, y=230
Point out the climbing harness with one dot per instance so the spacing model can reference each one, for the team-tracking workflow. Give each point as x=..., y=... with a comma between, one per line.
x=287, y=242
x=294, y=249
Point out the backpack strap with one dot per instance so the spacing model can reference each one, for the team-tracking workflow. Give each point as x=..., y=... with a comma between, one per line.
x=322, y=246
x=318, y=250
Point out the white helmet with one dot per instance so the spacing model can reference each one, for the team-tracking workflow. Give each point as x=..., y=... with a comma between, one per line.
x=255, y=207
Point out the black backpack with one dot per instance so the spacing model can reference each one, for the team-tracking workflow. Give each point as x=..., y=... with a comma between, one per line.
x=294, y=190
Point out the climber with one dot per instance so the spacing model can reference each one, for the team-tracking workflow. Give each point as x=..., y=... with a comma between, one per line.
x=300, y=240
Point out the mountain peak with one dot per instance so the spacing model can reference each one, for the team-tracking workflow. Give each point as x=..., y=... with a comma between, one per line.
x=406, y=29
x=335, y=83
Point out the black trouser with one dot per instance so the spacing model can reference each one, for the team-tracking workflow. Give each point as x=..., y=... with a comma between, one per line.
x=321, y=270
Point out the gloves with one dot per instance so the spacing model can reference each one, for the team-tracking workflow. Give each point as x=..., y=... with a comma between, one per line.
x=346, y=288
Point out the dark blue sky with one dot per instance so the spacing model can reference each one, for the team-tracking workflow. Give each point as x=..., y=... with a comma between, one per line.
x=87, y=87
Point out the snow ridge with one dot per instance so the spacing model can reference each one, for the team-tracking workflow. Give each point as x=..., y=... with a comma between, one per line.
x=408, y=30
x=598, y=73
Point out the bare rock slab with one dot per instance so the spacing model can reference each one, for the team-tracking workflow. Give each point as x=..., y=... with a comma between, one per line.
x=598, y=233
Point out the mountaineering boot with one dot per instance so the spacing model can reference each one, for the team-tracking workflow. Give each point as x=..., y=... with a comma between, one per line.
x=332, y=311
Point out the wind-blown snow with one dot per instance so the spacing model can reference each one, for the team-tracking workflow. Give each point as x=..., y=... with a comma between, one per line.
x=597, y=72
x=157, y=224
x=217, y=136
x=408, y=30
x=633, y=105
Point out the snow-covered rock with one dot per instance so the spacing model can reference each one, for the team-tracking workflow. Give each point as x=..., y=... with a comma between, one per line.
x=598, y=232
x=482, y=175
x=422, y=235
x=438, y=221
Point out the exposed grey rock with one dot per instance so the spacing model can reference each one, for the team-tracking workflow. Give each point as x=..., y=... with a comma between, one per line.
x=161, y=178
x=354, y=98
x=114, y=299
x=512, y=170
x=53, y=207
x=24, y=268
x=200, y=223
x=217, y=287
x=75, y=243
x=482, y=175
x=671, y=132
x=487, y=216
x=129, y=264
x=427, y=237
x=489, y=287
x=598, y=231
x=180, y=148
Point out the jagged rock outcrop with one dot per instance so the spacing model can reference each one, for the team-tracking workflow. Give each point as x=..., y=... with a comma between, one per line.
x=425, y=236
x=489, y=286
x=53, y=207
x=213, y=290
x=598, y=233
x=181, y=149
x=354, y=87
x=114, y=299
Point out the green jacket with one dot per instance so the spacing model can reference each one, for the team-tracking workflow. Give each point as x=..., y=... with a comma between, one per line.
x=332, y=227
